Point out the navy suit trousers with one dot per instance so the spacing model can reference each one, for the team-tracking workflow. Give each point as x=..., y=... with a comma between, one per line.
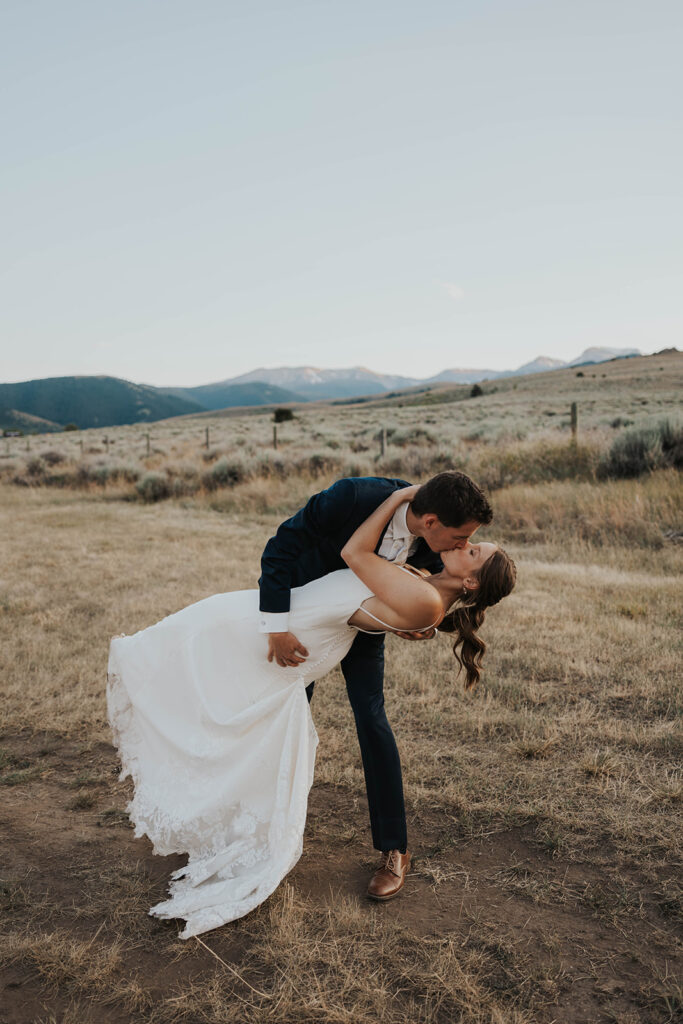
x=363, y=669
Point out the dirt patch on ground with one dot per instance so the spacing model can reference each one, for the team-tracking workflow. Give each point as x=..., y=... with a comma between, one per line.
x=562, y=941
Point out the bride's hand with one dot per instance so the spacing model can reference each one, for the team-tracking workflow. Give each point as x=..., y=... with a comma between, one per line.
x=408, y=493
x=365, y=538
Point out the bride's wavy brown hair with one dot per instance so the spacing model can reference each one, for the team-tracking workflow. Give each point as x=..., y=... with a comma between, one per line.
x=497, y=578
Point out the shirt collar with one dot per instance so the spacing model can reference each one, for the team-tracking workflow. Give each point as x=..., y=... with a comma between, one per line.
x=400, y=522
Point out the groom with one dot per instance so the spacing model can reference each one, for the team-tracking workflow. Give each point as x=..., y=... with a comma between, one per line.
x=443, y=515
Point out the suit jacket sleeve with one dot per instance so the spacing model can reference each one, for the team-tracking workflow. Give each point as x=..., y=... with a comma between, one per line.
x=324, y=514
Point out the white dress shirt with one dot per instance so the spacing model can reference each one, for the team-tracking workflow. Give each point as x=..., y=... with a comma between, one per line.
x=397, y=546
x=398, y=542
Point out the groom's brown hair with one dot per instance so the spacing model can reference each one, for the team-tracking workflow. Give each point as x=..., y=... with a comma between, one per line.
x=454, y=498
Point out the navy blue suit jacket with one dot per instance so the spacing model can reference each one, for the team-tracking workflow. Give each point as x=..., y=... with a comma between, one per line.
x=308, y=545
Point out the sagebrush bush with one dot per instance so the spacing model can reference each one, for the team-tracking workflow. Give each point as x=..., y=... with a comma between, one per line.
x=52, y=458
x=671, y=435
x=319, y=464
x=414, y=462
x=183, y=470
x=153, y=487
x=414, y=435
x=125, y=471
x=225, y=473
x=182, y=487
x=35, y=467
x=643, y=450
x=96, y=473
x=272, y=466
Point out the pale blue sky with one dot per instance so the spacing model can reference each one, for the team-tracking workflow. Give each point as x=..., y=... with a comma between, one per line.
x=194, y=189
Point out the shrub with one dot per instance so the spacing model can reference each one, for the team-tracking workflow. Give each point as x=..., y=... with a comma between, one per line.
x=642, y=450
x=35, y=467
x=476, y=391
x=320, y=464
x=224, y=473
x=93, y=473
x=52, y=457
x=71, y=426
x=125, y=471
x=620, y=422
x=282, y=415
x=100, y=474
x=356, y=467
x=416, y=463
x=182, y=487
x=671, y=435
x=414, y=435
x=153, y=487
x=184, y=471
x=272, y=466
x=59, y=480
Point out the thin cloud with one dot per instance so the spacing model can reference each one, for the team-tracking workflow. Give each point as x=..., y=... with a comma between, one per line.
x=454, y=290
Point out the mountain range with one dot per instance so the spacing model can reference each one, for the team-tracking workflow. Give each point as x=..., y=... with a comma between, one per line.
x=311, y=383
x=49, y=404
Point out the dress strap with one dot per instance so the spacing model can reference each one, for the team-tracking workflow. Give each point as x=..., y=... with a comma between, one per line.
x=412, y=571
x=392, y=629
x=377, y=619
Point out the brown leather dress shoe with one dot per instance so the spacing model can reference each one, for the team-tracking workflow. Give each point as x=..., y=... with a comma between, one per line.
x=388, y=880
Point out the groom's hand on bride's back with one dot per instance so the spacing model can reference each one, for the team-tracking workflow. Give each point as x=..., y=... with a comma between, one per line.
x=286, y=650
x=423, y=634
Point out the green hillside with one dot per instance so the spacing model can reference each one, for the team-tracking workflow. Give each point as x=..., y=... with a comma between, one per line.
x=92, y=401
x=12, y=419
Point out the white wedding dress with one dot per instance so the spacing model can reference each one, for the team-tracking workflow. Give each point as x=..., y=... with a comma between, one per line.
x=220, y=743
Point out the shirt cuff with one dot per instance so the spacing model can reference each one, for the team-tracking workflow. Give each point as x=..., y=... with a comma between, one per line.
x=273, y=622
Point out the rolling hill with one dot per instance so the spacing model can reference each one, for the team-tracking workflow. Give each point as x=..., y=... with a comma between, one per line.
x=91, y=401
x=225, y=394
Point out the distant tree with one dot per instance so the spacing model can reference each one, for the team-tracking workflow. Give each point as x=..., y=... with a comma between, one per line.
x=476, y=391
x=70, y=426
x=579, y=373
x=282, y=415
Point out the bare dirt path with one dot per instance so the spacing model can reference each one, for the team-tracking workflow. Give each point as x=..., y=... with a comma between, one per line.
x=558, y=941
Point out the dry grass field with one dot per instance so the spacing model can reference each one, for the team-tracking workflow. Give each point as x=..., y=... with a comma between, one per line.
x=543, y=808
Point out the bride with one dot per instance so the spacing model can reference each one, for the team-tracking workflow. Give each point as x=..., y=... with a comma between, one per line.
x=220, y=743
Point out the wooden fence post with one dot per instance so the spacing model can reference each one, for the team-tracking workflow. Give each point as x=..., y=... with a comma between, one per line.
x=80, y=441
x=207, y=438
x=275, y=436
x=147, y=436
x=574, y=419
x=106, y=443
x=382, y=441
